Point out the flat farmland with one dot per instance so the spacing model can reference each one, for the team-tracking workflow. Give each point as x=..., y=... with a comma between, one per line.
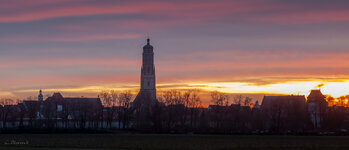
x=169, y=141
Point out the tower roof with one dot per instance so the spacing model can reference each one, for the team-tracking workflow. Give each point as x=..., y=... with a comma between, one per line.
x=316, y=96
x=148, y=46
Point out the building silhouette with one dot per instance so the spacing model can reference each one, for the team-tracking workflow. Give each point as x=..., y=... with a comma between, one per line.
x=146, y=98
x=284, y=112
x=148, y=84
x=55, y=111
x=317, y=106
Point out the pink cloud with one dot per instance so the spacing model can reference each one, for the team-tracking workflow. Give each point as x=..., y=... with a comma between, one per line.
x=193, y=10
x=189, y=11
x=67, y=38
x=304, y=17
x=234, y=59
x=239, y=65
x=62, y=80
x=217, y=65
x=68, y=62
x=19, y=4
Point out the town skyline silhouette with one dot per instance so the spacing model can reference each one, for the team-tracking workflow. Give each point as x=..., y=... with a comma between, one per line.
x=164, y=74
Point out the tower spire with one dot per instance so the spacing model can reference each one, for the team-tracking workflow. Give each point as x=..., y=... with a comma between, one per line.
x=148, y=41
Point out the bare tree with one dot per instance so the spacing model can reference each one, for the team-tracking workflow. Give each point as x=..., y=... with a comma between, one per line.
x=194, y=104
x=219, y=99
x=106, y=98
x=220, y=109
x=7, y=101
x=32, y=98
x=109, y=100
x=238, y=99
x=7, y=111
x=175, y=107
x=247, y=101
x=113, y=101
x=113, y=97
x=124, y=103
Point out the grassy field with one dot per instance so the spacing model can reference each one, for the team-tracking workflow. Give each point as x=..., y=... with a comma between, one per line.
x=153, y=142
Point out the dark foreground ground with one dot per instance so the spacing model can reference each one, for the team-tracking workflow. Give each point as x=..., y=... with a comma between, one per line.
x=161, y=141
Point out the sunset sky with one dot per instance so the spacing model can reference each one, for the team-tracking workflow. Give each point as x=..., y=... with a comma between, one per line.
x=79, y=47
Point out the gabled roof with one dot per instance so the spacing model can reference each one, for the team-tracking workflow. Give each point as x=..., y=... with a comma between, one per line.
x=57, y=95
x=82, y=100
x=72, y=103
x=269, y=101
x=31, y=104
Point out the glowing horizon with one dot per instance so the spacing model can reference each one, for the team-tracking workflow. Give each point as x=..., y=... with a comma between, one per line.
x=287, y=88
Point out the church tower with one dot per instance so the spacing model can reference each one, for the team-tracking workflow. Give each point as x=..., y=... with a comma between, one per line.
x=148, y=70
x=145, y=100
x=147, y=94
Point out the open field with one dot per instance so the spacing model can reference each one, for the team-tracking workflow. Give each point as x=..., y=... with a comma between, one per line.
x=161, y=141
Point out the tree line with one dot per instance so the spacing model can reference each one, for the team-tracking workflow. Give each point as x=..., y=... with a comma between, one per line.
x=182, y=111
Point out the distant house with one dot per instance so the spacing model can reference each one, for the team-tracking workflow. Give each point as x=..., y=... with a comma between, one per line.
x=283, y=101
x=9, y=115
x=55, y=112
x=285, y=111
x=31, y=111
x=73, y=112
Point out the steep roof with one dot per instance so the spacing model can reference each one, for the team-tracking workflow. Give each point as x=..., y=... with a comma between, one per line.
x=31, y=104
x=57, y=95
x=269, y=101
x=73, y=102
x=96, y=102
x=316, y=96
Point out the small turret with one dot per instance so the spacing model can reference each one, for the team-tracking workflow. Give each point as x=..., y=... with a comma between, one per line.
x=40, y=96
x=148, y=46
